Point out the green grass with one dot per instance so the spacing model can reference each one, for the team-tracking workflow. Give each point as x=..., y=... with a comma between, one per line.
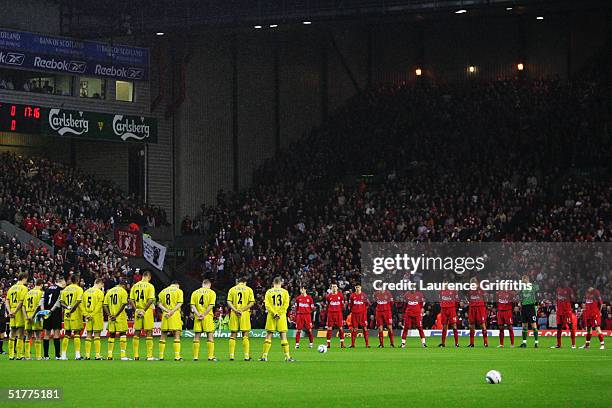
x=342, y=377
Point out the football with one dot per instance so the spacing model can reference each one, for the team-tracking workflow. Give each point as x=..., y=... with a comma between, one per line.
x=322, y=348
x=493, y=377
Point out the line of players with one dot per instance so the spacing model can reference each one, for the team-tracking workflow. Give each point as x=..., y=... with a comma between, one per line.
x=86, y=310
x=34, y=310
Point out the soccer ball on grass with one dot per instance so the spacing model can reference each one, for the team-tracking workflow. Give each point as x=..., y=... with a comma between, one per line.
x=493, y=377
x=322, y=348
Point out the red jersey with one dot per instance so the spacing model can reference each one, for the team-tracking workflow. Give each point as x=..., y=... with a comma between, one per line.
x=565, y=296
x=384, y=301
x=593, y=302
x=335, y=302
x=505, y=300
x=448, y=298
x=358, y=302
x=414, y=303
x=477, y=297
x=304, y=304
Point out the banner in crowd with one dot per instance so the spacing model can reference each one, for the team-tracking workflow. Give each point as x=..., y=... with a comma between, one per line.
x=153, y=252
x=41, y=52
x=55, y=121
x=128, y=242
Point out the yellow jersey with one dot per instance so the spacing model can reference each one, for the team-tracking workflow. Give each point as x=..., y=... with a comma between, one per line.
x=15, y=295
x=240, y=295
x=114, y=299
x=277, y=301
x=141, y=293
x=32, y=301
x=202, y=299
x=93, y=299
x=72, y=294
x=170, y=297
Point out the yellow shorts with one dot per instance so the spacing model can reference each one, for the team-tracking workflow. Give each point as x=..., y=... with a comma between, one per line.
x=18, y=321
x=172, y=323
x=73, y=324
x=145, y=322
x=276, y=325
x=33, y=326
x=117, y=326
x=205, y=325
x=242, y=323
x=96, y=324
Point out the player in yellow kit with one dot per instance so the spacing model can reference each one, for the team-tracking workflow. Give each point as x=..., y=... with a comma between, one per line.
x=240, y=299
x=14, y=305
x=93, y=301
x=202, y=304
x=142, y=299
x=71, y=300
x=34, y=324
x=170, y=302
x=115, y=301
x=277, y=301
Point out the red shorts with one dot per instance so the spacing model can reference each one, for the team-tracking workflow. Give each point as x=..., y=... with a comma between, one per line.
x=413, y=321
x=504, y=317
x=335, y=319
x=359, y=320
x=449, y=315
x=384, y=319
x=303, y=321
x=592, y=320
x=477, y=315
x=564, y=319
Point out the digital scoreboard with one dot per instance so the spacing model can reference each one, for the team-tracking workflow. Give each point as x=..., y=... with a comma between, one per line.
x=20, y=118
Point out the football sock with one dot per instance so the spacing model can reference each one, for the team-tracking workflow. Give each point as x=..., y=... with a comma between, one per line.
x=485, y=336
x=77, y=344
x=38, y=348
x=353, y=337
x=266, y=348
x=511, y=331
x=19, y=350
x=122, y=345
x=559, y=336
x=422, y=334
x=246, y=347
x=162, y=349
x=404, y=334
x=97, y=345
x=11, y=346
x=380, y=337
x=456, y=335
x=1, y=344
x=57, y=346
x=535, y=335
x=366, y=336
x=341, y=333
x=177, y=349
x=111, y=346
x=27, y=345
x=196, y=349
x=45, y=347
x=311, y=336
x=149, y=347
x=64, y=345
x=501, y=336
x=588, y=337
x=285, y=347
x=232, y=347
x=525, y=331
x=444, y=335
x=391, y=340
x=87, y=347
x=472, y=337
x=573, y=335
x=329, y=336
x=210, y=348
x=136, y=346
x=601, y=339
x=298, y=333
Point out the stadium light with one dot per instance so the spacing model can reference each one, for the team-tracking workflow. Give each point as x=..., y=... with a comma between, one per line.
x=471, y=69
x=418, y=72
x=159, y=33
x=461, y=11
x=307, y=22
x=257, y=27
x=273, y=25
x=539, y=18
x=508, y=8
x=520, y=66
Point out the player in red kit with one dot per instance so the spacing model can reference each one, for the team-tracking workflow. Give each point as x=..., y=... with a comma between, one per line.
x=335, y=306
x=384, y=300
x=592, y=315
x=477, y=313
x=565, y=298
x=358, y=304
x=413, y=315
x=505, y=303
x=448, y=311
x=303, y=320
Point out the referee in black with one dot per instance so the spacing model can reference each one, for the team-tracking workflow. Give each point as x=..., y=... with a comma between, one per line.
x=53, y=323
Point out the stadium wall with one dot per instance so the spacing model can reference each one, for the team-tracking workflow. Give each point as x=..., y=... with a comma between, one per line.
x=18, y=14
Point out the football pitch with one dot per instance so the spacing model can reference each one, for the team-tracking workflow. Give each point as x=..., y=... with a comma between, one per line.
x=362, y=377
